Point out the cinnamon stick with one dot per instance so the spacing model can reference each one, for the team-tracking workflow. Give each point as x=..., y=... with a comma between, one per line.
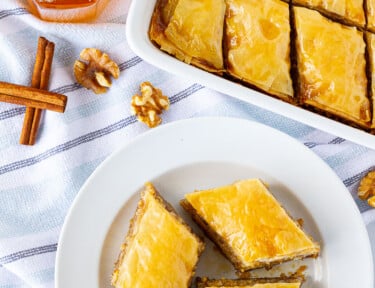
x=35, y=82
x=39, y=62
x=44, y=81
x=32, y=97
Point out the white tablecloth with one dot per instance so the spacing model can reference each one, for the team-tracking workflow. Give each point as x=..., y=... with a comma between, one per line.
x=38, y=183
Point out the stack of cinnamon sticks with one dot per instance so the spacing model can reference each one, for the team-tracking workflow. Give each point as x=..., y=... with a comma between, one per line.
x=35, y=98
x=40, y=79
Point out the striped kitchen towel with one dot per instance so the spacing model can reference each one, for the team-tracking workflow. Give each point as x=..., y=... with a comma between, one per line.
x=38, y=183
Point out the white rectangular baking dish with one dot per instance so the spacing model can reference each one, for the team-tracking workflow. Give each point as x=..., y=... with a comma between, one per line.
x=137, y=26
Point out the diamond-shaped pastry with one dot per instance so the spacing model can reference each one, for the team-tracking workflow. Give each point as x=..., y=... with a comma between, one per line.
x=249, y=225
x=160, y=249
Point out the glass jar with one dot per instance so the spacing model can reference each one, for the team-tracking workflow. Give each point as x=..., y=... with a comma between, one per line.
x=67, y=10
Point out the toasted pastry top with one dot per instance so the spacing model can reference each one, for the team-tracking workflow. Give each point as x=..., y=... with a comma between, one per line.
x=160, y=250
x=258, y=44
x=192, y=30
x=251, y=222
x=331, y=64
x=350, y=11
x=196, y=28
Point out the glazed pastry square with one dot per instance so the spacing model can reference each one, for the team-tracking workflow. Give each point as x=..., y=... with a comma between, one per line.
x=257, y=45
x=348, y=11
x=191, y=30
x=249, y=225
x=161, y=16
x=249, y=283
x=331, y=66
x=160, y=250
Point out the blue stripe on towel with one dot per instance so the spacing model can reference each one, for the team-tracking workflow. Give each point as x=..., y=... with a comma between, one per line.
x=89, y=136
x=27, y=253
x=13, y=12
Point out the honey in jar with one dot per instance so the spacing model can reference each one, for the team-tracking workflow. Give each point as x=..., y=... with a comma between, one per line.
x=67, y=10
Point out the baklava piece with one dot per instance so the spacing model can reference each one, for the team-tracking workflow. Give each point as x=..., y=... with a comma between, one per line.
x=331, y=64
x=249, y=225
x=249, y=283
x=257, y=45
x=160, y=250
x=346, y=11
x=191, y=30
x=161, y=16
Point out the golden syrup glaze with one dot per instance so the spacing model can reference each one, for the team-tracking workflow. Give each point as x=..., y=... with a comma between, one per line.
x=162, y=252
x=196, y=28
x=331, y=64
x=163, y=12
x=350, y=10
x=258, y=44
x=251, y=221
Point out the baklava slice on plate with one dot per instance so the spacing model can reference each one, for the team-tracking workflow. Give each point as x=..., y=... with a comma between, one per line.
x=191, y=30
x=347, y=11
x=249, y=225
x=250, y=283
x=257, y=44
x=160, y=250
x=331, y=66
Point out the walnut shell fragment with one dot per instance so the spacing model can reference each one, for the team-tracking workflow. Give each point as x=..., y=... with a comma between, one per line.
x=95, y=69
x=150, y=105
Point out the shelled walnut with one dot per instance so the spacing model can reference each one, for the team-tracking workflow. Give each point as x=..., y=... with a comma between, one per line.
x=149, y=105
x=366, y=189
x=95, y=69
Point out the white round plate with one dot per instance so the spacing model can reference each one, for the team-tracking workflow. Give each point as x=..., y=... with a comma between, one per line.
x=201, y=153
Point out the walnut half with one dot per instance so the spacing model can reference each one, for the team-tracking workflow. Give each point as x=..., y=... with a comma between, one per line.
x=95, y=69
x=149, y=105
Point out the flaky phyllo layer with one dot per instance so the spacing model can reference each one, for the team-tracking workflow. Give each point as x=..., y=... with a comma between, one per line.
x=249, y=225
x=340, y=84
x=309, y=53
x=258, y=44
x=160, y=249
x=192, y=30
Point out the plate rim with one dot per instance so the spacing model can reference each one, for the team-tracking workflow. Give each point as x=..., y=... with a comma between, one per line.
x=172, y=125
x=140, y=44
